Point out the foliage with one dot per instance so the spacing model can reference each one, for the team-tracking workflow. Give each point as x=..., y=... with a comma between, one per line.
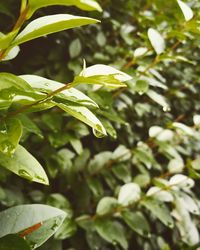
x=135, y=188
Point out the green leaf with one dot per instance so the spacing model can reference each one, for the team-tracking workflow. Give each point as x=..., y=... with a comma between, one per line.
x=6, y=40
x=36, y=223
x=101, y=74
x=45, y=85
x=186, y=10
x=25, y=165
x=13, y=242
x=10, y=134
x=161, y=100
x=106, y=205
x=159, y=210
x=50, y=24
x=82, y=4
x=129, y=193
x=137, y=222
x=156, y=40
x=75, y=48
x=8, y=80
x=111, y=231
x=84, y=115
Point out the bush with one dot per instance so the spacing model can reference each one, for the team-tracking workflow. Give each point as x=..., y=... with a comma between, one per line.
x=135, y=188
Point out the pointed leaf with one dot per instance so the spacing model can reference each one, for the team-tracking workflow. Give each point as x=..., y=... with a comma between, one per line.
x=25, y=165
x=84, y=115
x=186, y=10
x=45, y=85
x=50, y=24
x=156, y=40
x=36, y=223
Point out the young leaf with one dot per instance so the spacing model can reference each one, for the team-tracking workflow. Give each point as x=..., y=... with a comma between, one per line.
x=186, y=10
x=36, y=223
x=104, y=70
x=50, y=24
x=25, y=165
x=82, y=4
x=137, y=222
x=156, y=40
x=84, y=115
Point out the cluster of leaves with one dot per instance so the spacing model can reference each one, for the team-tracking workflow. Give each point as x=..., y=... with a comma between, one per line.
x=135, y=188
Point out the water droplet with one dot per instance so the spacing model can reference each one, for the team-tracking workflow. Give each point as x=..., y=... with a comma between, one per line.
x=97, y=131
x=140, y=93
x=166, y=109
x=23, y=173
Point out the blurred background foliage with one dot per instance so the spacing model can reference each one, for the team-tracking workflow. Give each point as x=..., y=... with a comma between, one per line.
x=150, y=160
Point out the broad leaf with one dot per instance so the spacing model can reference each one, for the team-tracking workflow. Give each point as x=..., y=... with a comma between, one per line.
x=156, y=40
x=102, y=75
x=111, y=231
x=159, y=210
x=186, y=10
x=45, y=85
x=137, y=222
x=84, y=115
x=25, y=165
x=50, y=24
x=106, y=205
x=35, y=223
x=129, y=193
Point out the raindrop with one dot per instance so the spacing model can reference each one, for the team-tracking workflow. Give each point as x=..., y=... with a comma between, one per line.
x=166, y=109
x=97, y=133
x=23, y=173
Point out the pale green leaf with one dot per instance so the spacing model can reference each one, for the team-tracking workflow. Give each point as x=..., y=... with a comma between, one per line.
x=129, y=193
x=45, y=85
x=84, y=115
x=36, y=222
x=186, y=10
x=106, y=205
x=157, y=41
x=50, y=24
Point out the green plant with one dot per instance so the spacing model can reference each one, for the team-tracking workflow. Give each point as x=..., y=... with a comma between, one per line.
x=134, y=189
x=30, y=93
